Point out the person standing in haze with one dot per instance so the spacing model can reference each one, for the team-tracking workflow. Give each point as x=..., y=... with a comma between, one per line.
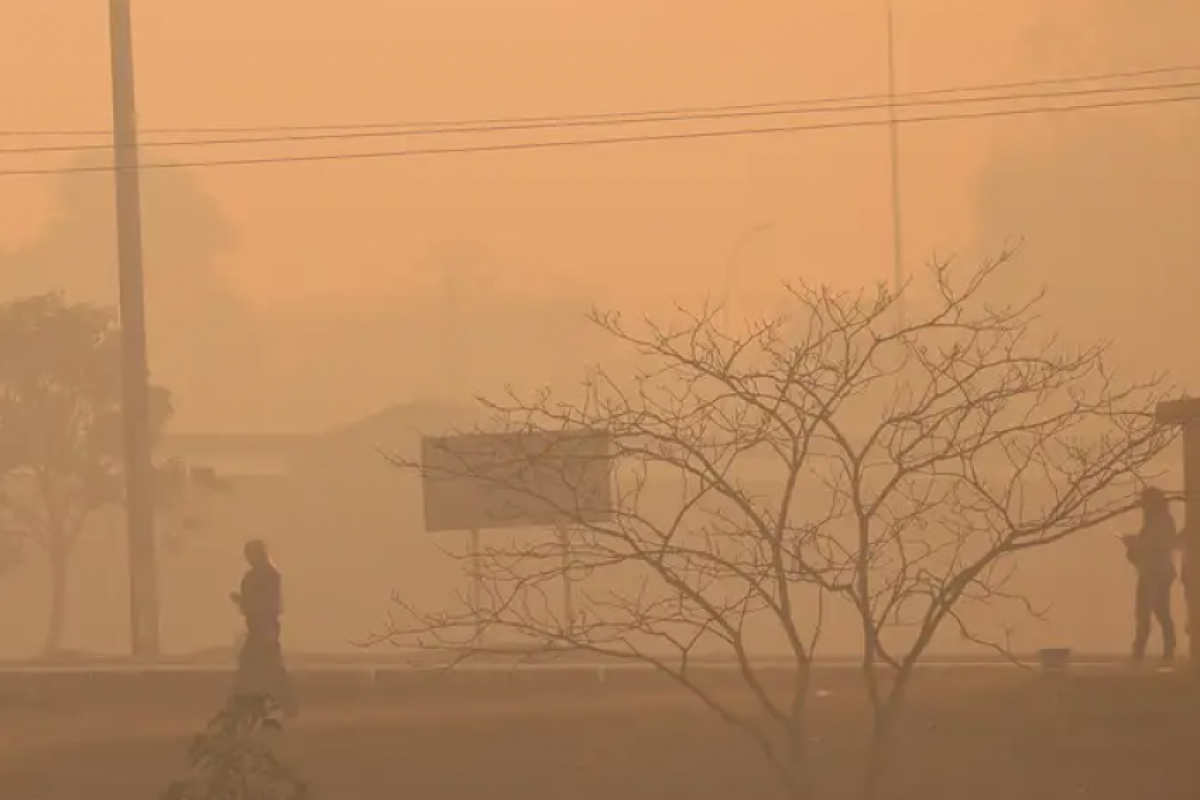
x=260, y=600
x=1151, y=551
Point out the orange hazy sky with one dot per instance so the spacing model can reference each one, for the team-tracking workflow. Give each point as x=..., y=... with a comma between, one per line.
x=637, y=222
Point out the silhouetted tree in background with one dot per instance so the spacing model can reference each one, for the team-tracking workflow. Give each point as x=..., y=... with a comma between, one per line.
x=61, y=448
x=203, y=339
x=12, y=554
x=828, y=462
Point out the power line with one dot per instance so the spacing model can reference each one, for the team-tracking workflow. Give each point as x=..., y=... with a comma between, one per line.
x=669, y=112
x=610, y=122
x=618, y=140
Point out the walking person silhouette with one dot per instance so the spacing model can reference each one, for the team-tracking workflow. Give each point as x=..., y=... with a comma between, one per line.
x=260, y=668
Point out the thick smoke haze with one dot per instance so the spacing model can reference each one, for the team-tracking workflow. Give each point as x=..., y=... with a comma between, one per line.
x=300, y=297
x=1104, y=205
x=611, y=286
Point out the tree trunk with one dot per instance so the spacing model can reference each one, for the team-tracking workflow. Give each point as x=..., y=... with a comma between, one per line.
x=805, y=786
x=879, y=749
x=801, y=779
x=58, y=602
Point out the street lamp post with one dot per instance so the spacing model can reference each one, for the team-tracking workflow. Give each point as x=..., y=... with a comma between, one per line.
x=459, y=270
x=894, y=157
x=733, y=260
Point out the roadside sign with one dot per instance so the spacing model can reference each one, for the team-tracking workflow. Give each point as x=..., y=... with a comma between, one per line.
x=485, y=481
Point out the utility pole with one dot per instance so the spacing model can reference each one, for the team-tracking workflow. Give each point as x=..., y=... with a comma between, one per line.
x=139, y=479
x=894, y=144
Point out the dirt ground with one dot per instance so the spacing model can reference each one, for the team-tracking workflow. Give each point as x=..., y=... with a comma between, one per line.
x=982, y=735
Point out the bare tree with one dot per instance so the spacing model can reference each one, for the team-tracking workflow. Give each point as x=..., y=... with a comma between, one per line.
x=829, y=459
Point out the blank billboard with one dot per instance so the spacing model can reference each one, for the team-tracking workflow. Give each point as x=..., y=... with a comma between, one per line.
x=516, y=480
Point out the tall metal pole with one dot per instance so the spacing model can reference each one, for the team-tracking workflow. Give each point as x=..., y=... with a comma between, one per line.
x=898, y=276
x=456, y=273
x=139, y=499
x=733, y=261
x=453, y=342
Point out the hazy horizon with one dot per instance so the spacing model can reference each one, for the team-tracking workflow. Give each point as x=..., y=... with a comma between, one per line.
x=638, y=226
x=303, y=296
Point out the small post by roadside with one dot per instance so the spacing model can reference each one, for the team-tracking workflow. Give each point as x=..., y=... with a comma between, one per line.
x=1186, y=414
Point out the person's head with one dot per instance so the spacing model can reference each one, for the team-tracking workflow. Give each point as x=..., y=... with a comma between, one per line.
x=256, y=553
x=1154, y=502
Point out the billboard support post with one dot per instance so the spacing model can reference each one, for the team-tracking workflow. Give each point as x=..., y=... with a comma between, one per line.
x=1186, y=413
x=564, y=542
x=532, y=479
